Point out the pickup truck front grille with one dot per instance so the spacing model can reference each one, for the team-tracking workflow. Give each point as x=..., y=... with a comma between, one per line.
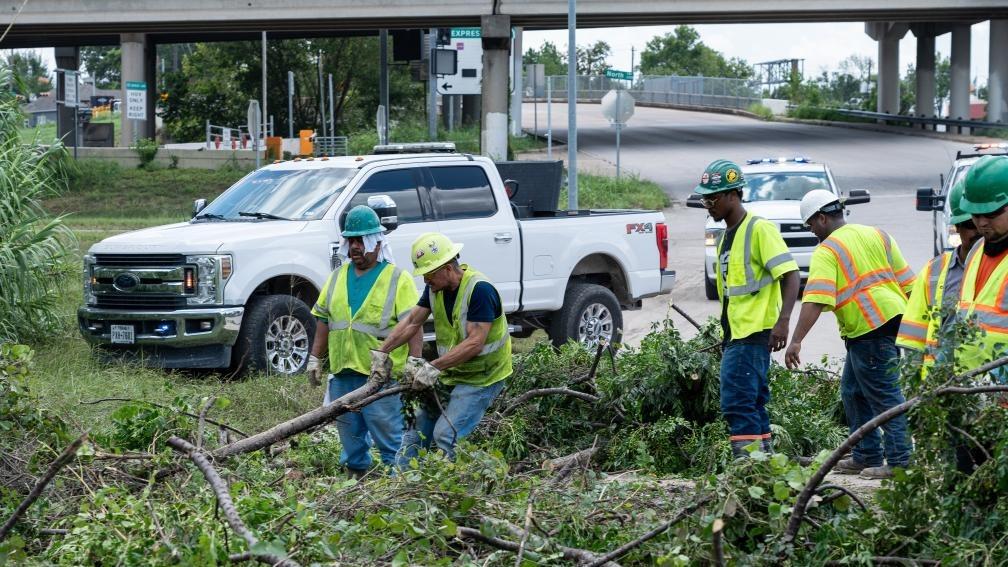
x=137, y=260
x=140, y=302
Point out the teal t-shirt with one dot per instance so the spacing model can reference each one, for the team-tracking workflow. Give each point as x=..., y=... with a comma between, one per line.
x=358, y=287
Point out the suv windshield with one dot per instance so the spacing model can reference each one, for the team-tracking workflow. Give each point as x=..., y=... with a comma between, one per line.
x=302, y=194
x=783, y=186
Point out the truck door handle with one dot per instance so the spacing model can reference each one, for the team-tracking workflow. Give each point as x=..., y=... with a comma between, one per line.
x=503, y=237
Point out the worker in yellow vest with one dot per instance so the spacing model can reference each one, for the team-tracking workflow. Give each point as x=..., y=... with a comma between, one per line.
x=473, y=345
x=358, y=306
x=983, y=296
x=859, y=273
x=757, y=283
x=935, y=296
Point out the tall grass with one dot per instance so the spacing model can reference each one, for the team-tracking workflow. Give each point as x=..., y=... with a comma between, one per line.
x=34, y=247
x=627, y=192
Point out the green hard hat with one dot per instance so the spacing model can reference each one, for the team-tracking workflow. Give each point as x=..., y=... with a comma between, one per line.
x=361, y=220
x=720, y=175
x=986, y=186
x=955, y=204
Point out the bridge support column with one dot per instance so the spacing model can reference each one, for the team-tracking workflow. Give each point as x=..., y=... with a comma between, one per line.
x=517, y=86
x=997, y=83
x=959, y=82
x=888, y=35
x=925, y=104
x=138, y=57
x=496, y=34
x=66, y=58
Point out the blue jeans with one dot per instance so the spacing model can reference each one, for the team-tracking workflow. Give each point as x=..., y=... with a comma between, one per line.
x=869, y=386
x=745, y=390
x=380, y=421
x=463, y=413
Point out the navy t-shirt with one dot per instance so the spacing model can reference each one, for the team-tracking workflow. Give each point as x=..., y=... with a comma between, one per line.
x=484, y=304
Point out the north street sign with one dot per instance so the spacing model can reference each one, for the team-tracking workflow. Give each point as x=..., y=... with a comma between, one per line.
x=614, y=74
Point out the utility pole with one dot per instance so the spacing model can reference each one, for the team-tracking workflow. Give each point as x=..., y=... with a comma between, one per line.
x=264, y=114
x=332, y=108
x=321, y=94
x=632, y=63
x=290, y=104
x=572, y=187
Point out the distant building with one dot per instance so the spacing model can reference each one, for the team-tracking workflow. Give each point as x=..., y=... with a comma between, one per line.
x=42, y=110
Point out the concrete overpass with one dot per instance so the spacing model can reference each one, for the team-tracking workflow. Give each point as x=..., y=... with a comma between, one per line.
x=139, y=25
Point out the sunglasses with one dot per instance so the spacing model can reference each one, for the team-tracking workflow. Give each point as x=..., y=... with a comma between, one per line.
x=992, y=215
x=709, y=202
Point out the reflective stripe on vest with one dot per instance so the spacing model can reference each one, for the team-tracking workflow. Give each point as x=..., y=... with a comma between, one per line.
x=383, y=329
x=752, y=285
x=932, y=291
x=464, y=320
x=989, y=308
x=857, y=287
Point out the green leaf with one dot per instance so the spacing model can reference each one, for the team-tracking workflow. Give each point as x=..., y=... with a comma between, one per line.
x=781, y=490
x=756, y=492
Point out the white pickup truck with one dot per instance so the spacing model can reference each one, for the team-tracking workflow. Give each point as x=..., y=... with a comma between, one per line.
x=233, y=286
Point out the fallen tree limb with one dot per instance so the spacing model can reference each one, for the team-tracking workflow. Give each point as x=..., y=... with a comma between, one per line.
x=686, y=316
x=802, y=501
x=169, y=408
x=548, y=392
x=628, y=547
x=892, y=560
x=840, y=492
x=581, y=556
x=226, y=504
x=65, y=457
x=352, y=401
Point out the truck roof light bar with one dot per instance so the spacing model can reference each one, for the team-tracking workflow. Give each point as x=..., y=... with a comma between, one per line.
x=417, y=148
x=796, y=159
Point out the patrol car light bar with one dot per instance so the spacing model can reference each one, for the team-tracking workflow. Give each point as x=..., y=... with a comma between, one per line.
x=417, y=148
x=979, y=147
x=796, y=159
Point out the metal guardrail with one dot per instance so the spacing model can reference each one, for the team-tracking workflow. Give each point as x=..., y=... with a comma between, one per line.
x=923, y=121
x=717, y=92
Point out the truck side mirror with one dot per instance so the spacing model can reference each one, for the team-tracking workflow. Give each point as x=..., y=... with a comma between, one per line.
x=511, y=188
x=929, y=200
x=695, y=201
x=857, y=197
x=388, y=212
x=197, y=206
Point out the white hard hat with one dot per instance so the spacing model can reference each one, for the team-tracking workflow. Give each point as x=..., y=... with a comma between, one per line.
x=815, y=200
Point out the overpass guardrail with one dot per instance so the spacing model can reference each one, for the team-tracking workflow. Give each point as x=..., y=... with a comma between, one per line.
x=715, y=92
x=922, y=121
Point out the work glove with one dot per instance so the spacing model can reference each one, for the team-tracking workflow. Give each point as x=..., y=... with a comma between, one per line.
x=381, y=366
x=425, y=376
x=413, y=363
x=314, y=371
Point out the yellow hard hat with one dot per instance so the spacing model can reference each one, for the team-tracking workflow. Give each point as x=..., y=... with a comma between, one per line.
x=432, y=250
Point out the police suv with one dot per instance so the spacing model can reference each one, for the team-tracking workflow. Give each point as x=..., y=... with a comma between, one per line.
x=774, y=189
x=929, y=199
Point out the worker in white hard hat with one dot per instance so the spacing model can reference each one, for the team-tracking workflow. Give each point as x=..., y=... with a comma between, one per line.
x=858, y=273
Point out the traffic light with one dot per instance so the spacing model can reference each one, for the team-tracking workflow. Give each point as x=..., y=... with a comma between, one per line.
x=443, y=36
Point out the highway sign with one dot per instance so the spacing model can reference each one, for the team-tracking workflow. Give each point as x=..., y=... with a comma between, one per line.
x=466, y=33
x=468, y=77
x=614, y=74
x=136, y=100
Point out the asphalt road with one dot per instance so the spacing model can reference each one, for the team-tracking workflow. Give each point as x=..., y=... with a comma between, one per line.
x=672, y=147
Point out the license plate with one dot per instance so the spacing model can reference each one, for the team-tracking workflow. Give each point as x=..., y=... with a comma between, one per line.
x=122, y=334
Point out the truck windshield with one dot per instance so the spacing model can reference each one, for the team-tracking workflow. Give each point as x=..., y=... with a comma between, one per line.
x=303, y=194
x=783, y=186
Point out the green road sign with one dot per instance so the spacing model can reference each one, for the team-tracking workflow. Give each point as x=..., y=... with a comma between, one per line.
x=614, y=74
x=466, y=33
x=136, y=86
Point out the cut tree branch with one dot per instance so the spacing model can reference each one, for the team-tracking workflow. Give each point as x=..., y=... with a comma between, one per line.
x=225, y=502
x=352, y=401
x=802, y=501
x=547, y=392
x=65, y=457
x=628, y=547
x=162, y=406
x=580, y=556
x=841, y=491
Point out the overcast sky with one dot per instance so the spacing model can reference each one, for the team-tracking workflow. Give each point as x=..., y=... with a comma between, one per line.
x=822, y=46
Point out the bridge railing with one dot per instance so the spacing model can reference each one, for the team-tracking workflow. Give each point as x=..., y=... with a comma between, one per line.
x=923, y=122
x=715, y=92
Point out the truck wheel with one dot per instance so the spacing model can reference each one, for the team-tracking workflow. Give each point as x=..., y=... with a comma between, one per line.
x=590, y=313
x=710, y=287
x=276, y=336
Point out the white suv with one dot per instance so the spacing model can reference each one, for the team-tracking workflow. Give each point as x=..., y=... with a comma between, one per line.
x=774, y=189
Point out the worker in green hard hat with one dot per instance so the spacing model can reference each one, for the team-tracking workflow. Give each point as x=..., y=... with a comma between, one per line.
x=358, y=306
x=473, y=346
x=757, y=283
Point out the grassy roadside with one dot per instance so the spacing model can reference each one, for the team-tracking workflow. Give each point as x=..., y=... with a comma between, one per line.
x=627, y=192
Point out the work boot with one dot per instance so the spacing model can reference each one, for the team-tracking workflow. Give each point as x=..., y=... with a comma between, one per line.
x=849, y=466
x=738, y=449
x=767, y=446
x=885, y=471
x=356, y=473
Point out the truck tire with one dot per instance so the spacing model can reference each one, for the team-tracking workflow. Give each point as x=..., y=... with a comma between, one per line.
x=590, y=313
x=710, y=287
x=276, y=336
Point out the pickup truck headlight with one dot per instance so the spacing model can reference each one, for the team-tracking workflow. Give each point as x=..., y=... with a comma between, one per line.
x=711, y=236
x=212, y=273
x=88, y=280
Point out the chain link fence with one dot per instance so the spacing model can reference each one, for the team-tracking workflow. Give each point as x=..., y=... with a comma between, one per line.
x=716, y=92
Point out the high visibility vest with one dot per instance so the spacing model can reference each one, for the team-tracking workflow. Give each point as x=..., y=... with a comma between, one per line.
x=922, y=318
x=757, y=260
x=859, y=273
x=493, y=363
x=988, y=307
x=352, y=337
